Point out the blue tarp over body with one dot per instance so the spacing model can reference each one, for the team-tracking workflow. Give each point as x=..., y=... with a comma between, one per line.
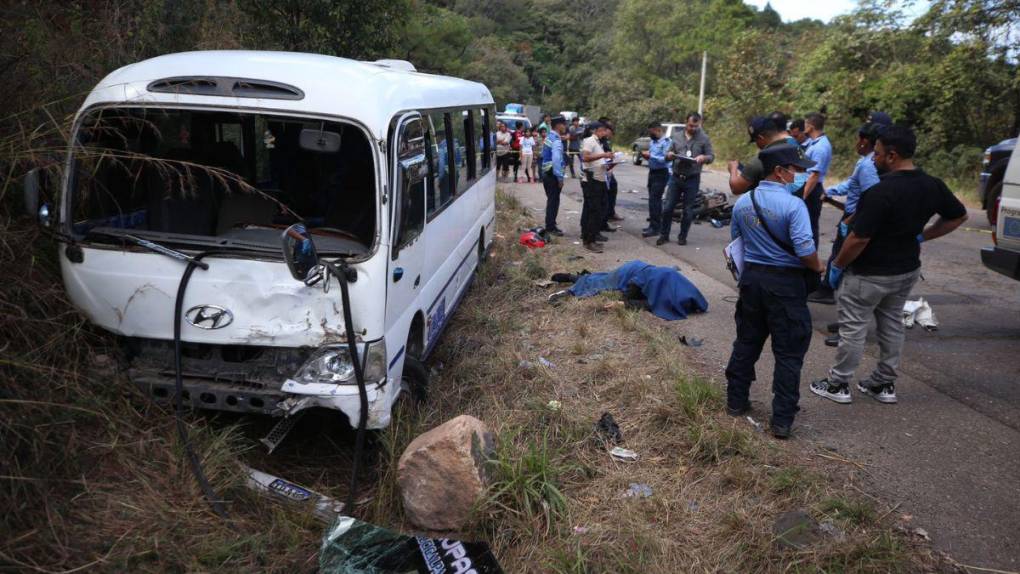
x=670, y=295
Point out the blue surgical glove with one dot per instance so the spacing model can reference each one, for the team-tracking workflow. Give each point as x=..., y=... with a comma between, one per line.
x=835, y=276
x=844, y=229
x=920, y=238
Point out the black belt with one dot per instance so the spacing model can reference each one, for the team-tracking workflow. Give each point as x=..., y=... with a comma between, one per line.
x=775, y=269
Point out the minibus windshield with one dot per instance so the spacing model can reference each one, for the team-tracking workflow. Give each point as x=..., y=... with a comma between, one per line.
x=223, y=178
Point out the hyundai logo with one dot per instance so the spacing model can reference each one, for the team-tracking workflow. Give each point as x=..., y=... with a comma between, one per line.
x=209, y=317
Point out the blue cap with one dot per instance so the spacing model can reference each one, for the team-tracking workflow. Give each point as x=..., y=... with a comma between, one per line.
x=758, y=125
x=880, y=118
x=784, y=155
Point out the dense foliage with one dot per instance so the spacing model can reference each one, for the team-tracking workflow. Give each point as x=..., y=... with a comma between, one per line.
x=952, y=73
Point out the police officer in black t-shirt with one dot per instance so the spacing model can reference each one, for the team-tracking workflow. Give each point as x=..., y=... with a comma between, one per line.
x=880, y=262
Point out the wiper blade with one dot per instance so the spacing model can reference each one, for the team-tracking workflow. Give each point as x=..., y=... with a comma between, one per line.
x=152, y=246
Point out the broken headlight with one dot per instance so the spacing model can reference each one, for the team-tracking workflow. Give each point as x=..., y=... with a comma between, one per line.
x=332, y=364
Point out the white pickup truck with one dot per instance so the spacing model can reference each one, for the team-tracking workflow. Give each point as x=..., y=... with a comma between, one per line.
x=1004, y=256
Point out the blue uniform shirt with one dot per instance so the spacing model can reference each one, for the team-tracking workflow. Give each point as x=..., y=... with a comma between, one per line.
x=819, y=150
x=552, y=155
x=864, y=176
x=787, y=218
x=657, y=151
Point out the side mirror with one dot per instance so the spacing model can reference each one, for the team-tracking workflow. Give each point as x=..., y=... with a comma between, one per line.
x=299, y=252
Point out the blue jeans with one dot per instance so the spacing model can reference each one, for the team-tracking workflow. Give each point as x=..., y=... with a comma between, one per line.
x=681, y=190
x=772, y=303
x=657, y=180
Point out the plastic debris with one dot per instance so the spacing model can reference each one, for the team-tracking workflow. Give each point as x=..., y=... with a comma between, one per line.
x=351, y=546
x=546, y=363
x=524, y=364
x=693, y=505
x=922, y=533
x=559, y=295
x=624, y=455
x=554, y=406
x=691, y=341
x=580, y=530
x=921, y=313
x=322, y=507
x=543, y=283
x=638, y=490
x=757, y=425
x=607, y=428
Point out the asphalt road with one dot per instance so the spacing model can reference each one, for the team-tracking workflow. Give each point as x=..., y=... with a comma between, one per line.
x=948, y=454
x=974, y=356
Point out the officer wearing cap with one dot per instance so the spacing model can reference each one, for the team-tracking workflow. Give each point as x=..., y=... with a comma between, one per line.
x=862, y=179
x=779, y=255
x=552, y=173
x=764, y=133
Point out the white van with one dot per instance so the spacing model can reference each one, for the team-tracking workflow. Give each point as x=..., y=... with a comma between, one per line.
x=1004, y=256
x=213, y=155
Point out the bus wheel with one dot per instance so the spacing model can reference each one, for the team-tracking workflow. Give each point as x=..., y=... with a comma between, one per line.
x=414, y=383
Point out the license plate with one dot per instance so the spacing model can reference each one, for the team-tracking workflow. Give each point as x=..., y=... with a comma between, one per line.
x=1011, y=227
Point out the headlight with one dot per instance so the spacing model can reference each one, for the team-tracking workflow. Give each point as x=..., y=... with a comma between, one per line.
x=988, y=158
x=332, y=364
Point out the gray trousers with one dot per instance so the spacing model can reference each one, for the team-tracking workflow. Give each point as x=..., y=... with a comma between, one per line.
x=859, y=297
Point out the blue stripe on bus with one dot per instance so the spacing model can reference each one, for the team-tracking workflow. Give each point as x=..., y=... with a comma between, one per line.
x=396, y=358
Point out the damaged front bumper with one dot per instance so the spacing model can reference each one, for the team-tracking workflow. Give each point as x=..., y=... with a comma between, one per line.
x=251, y=380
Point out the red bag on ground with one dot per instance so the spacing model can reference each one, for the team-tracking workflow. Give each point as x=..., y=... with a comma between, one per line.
x=532, y=240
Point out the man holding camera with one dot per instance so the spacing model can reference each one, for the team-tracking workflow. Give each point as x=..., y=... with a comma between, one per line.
x=693, y=149
x=779, y=253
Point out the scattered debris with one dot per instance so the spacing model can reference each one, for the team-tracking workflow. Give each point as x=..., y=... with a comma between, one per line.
x=580, y=530
x=322, y=507
x=691, y=341
x=546, y=363
x=922, y=533
x=832, y=530
x=757, y=425
x=525, y=364
x=693, y=505
x=622, y=454
x=354, y=546
x=575, y=257
x=280, y=431
x=795, y=529
x=442, y=475
x=532, y=240
x=638, y=490
x=559, y=295
x=607, y=428
x=543, y=283
x=554, y=406
x=921, y=313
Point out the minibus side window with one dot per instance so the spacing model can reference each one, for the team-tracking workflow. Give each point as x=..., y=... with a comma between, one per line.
x=442, y=188
x=472, y=145
x=460, y=151
x=410, y=185
x=485, y=141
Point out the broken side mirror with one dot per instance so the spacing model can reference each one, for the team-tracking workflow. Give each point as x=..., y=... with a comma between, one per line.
x=33, y=189
x=299, y=252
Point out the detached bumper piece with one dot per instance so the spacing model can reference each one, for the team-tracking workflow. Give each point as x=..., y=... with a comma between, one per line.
x=1002, y=261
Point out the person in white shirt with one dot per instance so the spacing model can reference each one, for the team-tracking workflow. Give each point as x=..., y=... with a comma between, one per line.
x=528, y=154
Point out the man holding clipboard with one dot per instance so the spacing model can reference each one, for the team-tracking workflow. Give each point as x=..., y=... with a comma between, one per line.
x=780, y=262
x=692, y=149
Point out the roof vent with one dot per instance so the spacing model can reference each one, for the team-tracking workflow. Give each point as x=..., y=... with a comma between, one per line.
x=402, y=65
x=226, y=87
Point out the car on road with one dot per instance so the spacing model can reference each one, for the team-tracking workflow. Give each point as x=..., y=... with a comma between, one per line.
x=642, y=143
x=1004, y=256
x=993, y=169
x=511, y=120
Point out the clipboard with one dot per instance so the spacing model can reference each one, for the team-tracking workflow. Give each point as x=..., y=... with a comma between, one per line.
x=734, y=253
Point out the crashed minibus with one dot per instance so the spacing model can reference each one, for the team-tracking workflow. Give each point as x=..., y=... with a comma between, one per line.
x=237, y=166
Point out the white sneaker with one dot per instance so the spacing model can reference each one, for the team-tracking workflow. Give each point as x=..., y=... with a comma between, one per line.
x=882, y=393
x=833, y=392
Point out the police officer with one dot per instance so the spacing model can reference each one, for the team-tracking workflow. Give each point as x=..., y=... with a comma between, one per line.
x=595, y=159
x=693, y=150
x=764, y=133
x=660, y=155
x=779, y=252
x=552, y=173
x=863, y=178
x=612, y=186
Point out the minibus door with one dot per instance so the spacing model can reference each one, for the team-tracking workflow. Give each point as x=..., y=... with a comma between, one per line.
x=407, y=251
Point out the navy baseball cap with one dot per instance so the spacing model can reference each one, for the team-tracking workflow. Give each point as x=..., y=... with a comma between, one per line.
x=758, y=125
x=880, y=118
x=557, y=120
x=784, y=155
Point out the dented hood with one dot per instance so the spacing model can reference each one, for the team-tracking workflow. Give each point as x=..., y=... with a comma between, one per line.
x=235, y=302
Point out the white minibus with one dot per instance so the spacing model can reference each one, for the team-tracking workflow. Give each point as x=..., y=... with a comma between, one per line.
x=204, y=162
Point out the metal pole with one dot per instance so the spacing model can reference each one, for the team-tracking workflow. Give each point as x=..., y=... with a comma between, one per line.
x=701, y=92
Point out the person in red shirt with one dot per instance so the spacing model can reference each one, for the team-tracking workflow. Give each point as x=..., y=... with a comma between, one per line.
x=515, y=147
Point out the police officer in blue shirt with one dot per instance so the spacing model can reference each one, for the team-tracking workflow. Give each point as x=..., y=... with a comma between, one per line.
x=779, y=255
x=660, y=155
x=819, y=150
x=863, y=178
x=552, y=173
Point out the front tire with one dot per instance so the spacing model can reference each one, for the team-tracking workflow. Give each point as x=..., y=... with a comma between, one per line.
x=414, y=382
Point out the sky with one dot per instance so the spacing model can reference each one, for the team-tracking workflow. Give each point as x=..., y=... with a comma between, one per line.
x=824, y=10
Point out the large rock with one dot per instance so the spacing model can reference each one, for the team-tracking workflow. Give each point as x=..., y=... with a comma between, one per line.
x=442, y=473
